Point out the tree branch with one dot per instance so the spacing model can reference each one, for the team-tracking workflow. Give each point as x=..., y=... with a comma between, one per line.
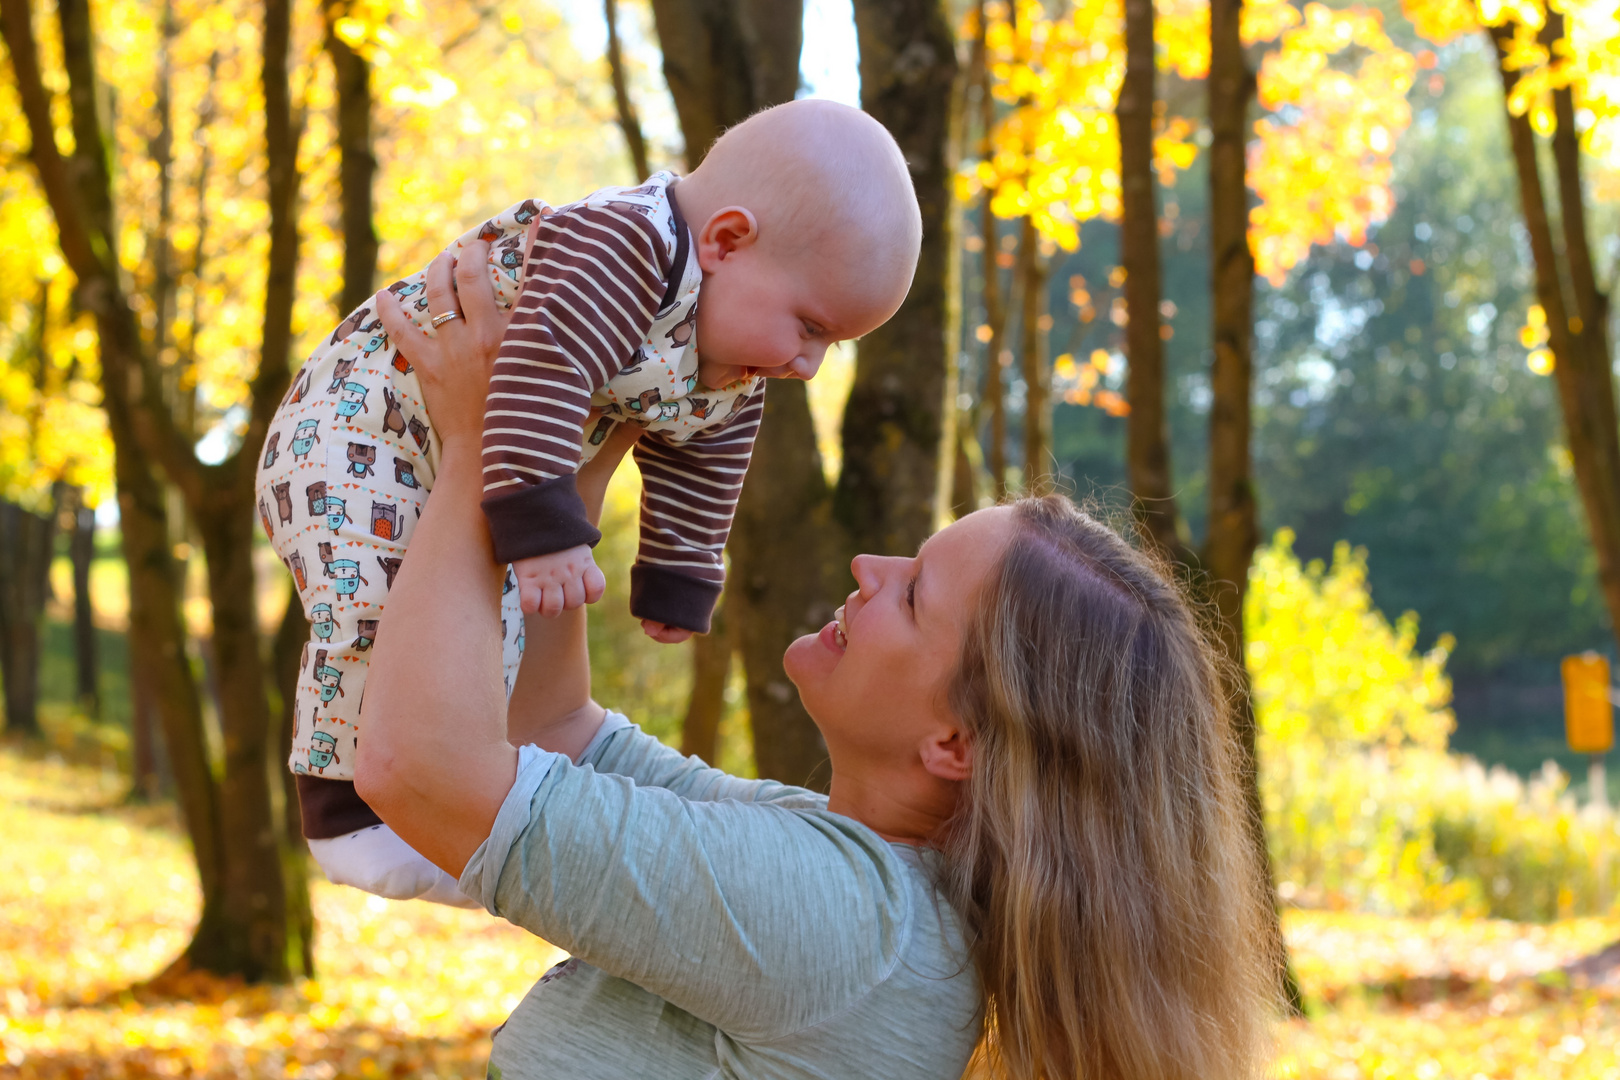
x=629, y=122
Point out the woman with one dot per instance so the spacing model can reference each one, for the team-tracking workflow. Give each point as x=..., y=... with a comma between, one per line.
x=1032, y=832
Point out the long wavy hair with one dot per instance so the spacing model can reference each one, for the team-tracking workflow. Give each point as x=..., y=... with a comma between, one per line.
x=1100, y=855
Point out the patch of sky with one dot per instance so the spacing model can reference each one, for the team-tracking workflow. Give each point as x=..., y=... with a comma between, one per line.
x=1336, y=320
x=221, y=440
x=829, y=62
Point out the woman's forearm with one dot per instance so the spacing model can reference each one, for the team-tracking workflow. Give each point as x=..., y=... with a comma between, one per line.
x=434, y=761
x=551, y=702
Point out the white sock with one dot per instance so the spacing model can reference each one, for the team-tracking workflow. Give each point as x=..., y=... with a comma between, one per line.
x=377, y=861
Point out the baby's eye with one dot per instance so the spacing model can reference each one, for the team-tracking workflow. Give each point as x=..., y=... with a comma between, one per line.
x=810, y=328
x=911, y=593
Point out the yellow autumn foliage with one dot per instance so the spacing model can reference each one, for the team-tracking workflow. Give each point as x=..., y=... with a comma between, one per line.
x=1326, y=174
x=1365, y=808
x=1320, y=161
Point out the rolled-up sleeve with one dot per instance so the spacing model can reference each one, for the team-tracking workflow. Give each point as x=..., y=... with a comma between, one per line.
x=482, y=873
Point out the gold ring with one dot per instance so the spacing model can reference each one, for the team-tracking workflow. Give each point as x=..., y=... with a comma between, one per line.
x=440, y=320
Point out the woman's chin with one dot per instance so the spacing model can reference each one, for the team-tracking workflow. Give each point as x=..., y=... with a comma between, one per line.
x=810, y=657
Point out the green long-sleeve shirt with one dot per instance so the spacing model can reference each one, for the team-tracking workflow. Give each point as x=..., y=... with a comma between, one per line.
x=718, y=927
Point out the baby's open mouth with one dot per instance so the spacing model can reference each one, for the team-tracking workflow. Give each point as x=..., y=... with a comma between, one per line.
x=841, y=631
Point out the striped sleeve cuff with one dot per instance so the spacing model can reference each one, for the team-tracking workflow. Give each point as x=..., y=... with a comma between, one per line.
x=672, y=598
x=538, y=519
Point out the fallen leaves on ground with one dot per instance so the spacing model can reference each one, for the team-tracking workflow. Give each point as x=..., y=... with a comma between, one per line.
x=97, y=897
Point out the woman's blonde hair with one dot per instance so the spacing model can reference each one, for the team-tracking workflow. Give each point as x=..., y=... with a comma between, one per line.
x=1100, y=856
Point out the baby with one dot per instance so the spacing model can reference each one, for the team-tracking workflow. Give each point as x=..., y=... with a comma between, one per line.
x=664, y=306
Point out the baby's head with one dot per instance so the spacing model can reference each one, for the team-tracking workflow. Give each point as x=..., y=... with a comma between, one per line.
x=807, y=231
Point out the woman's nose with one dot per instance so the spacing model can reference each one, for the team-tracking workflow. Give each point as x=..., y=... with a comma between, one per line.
x=871, y=571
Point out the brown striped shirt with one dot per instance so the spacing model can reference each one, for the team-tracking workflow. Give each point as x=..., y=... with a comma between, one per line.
x=606, y=320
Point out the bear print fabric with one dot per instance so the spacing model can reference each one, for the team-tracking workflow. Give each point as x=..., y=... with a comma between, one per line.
x=346, y=469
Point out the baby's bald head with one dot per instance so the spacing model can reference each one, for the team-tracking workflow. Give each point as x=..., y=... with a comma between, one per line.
x=821, y=178
x=807, y=230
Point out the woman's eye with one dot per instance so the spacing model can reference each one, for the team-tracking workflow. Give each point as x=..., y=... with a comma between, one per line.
x=911, y=594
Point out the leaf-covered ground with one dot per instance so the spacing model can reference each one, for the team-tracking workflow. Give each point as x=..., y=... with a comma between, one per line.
x=96, y=898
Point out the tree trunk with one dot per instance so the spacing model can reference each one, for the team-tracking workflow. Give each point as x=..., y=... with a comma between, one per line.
x=995, y=350
x=146, y=770
x=723, y=60
x=965, y=474
x=1147, y=438
x=995, y=309
x=711, y=669
x=26, y=540
x=784, y=565
x=86, y=660
x=896, y=416
x=357, y=165
x=1032, y=271
x=1578, y=339
x=1233, y=529
x=158, y=666
x=286, y=660
x=710, y=68
x=629, y=122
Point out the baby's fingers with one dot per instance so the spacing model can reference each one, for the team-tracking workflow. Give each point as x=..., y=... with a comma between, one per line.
x=551, y=601
x=573, y=591
x=529, y=598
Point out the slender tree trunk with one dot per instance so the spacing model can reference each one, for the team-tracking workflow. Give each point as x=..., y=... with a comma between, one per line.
x=286, y=660
x=1032, y=272
x=995, y=309
x=629, y=122
x=159, y=669
x=357, y=165
x=255, y=939
x=1578, y=338
x=158, y=239
x=964, y=476
x=711, y=669
x=896, y=417
x=26, y=540
x=995, y=350
x=1233, y=530
x=1147, y=449
x=81, y=551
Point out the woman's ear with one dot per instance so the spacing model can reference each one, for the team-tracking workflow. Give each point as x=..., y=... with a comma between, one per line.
x=948, y=755
x=728, y=229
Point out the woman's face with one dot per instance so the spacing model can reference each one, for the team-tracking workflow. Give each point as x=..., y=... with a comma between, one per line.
x=878, y=690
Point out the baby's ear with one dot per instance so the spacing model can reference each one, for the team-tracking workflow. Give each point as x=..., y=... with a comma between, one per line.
x=728, y=229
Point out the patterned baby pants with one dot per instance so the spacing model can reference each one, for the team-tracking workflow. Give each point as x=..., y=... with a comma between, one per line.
x=348, y=463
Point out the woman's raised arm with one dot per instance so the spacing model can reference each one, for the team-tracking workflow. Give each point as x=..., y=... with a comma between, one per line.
x=435, y=763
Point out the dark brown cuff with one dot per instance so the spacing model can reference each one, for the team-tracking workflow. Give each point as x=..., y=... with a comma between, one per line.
x=538, y=519
x=331, y=808
x=674, y=599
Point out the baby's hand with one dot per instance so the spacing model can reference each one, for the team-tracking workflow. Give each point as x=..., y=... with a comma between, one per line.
x=664, y=633
x=561, y=581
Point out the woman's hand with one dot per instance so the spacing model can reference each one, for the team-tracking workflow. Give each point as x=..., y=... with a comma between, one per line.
x=453, y=364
